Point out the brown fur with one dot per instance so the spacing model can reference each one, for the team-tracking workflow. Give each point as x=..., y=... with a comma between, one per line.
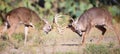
x=24, y=16
x=94, y=17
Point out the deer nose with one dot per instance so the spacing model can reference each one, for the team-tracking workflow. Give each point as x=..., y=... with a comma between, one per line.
x=46, y=32
x=79, y=32
x=49, y=29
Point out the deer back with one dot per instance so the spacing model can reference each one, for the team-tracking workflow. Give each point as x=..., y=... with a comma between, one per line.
x=25, y=16
x=94, y=16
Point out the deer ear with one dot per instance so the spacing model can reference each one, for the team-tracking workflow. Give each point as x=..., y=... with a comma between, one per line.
x=71, y=20
x=45, y=20
x=70, y=23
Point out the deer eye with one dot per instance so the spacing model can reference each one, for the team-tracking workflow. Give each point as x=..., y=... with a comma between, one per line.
x=83, y=30
x=49, y=26
x=76, y=28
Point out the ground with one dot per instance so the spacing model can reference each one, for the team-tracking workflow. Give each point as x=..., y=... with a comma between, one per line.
x=55, y=43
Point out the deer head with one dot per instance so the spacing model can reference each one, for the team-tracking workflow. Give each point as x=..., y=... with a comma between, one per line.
x=47, y=27
x=75, y=26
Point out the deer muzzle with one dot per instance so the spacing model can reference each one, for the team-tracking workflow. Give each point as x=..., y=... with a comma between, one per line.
x=79, y=33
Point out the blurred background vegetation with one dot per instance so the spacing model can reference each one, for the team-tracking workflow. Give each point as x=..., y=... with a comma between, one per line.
x=73, y=8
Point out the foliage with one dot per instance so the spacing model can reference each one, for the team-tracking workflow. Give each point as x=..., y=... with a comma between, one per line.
x=114, y=10
x=72, y=8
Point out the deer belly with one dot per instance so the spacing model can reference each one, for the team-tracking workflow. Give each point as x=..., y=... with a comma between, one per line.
x=98, y=22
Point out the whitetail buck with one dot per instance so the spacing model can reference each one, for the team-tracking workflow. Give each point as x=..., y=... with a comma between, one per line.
x=24, y=16
x=94, y=17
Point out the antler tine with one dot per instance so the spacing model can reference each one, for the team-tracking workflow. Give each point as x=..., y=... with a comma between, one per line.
x=56, y=22
x=56, y=18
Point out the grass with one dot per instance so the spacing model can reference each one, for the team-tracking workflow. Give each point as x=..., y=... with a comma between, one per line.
x=18, y=37
x=96, y=49
x=3, y=45
x=101, y=49
x=70, y=52
x=43, y=43
x=39, y=42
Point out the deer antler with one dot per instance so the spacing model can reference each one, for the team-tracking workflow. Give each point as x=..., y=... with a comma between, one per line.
x=55, y=20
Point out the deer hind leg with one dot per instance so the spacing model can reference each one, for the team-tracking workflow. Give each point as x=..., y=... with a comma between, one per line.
x=10, y=31
x=26, y=29
x=4, y=29
x=85, y=34
x=103, y=29
x=113, y=28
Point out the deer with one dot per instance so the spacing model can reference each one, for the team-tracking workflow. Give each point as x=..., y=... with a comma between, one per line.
x=94, y=17
x=25, y=16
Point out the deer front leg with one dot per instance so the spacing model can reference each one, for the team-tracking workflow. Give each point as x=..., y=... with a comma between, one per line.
x=83, y=39
x=85, y=34
x=26, y=33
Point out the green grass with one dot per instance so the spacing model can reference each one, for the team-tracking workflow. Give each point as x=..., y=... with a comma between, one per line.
x=18, y=37
x=96, y=49
x=101, y=49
